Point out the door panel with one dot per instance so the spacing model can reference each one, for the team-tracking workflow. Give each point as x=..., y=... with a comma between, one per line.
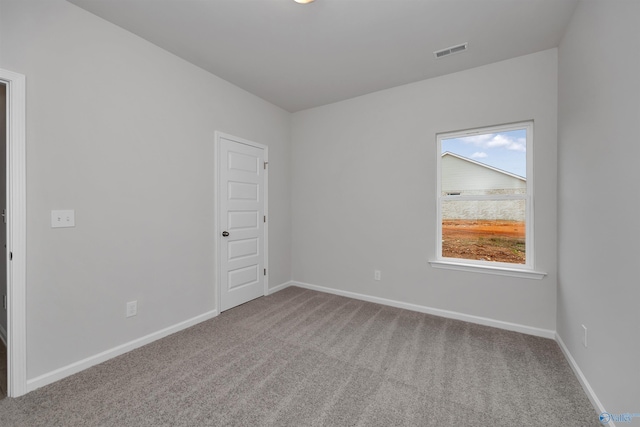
x=242, y=220
x=241, y=211
x=243, y=277
x=243, y=248
x=243, y=191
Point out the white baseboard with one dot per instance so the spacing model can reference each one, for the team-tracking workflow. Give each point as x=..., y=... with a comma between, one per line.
x=544, y=333
x=3, y=335
x=81, y=365
x=280, y=287
x=595, y=402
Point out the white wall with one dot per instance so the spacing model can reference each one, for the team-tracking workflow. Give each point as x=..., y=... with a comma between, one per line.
x=364, y=189
x=599, y=231
x=123, y=132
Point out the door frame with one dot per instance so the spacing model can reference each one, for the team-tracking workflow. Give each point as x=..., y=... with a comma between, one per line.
x=16, y=233
x=216, y=232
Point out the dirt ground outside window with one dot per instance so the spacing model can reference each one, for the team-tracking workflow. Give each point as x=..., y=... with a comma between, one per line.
x=487, y=240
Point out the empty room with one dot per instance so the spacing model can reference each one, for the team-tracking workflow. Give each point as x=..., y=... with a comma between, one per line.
x=320, y=213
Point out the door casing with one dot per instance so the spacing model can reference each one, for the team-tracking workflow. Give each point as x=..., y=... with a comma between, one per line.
x=16, y=233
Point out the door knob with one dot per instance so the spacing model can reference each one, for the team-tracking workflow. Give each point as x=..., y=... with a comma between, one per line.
x=225, y=234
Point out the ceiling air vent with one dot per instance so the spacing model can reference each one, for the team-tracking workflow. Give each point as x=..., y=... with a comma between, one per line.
x=450, y=50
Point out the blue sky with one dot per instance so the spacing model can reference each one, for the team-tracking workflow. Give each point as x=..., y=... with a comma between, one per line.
x=502, y=150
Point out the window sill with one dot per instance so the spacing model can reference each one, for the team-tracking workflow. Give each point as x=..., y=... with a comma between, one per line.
x=500, y=271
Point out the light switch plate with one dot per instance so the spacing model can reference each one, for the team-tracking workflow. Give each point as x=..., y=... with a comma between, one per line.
x=132, y=308
x=65, y=218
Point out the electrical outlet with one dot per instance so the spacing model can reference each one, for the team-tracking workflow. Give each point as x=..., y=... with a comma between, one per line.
x=584, y=338
x=376, y=275
x=132, y=308
x=61, y=219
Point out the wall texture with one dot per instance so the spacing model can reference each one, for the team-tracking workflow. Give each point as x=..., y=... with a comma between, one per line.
x=123, y=132
x=599, y=231
x=364, y=189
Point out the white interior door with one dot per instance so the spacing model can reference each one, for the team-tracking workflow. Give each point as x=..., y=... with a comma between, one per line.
x=241, y=216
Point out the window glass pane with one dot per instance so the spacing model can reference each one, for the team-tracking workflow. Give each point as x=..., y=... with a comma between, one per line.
x=478, y=167
x=487, y=230
x=492, y=163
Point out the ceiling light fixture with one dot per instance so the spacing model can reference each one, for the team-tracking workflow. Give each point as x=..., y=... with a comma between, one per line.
x=303, y=1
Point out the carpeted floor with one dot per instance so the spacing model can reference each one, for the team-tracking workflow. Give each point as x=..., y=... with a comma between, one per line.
x=304, y=358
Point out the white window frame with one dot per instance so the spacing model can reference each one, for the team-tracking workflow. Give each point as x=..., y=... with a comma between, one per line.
x=501, y=268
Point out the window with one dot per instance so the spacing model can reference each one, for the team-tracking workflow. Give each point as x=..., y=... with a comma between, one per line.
x=485, y=215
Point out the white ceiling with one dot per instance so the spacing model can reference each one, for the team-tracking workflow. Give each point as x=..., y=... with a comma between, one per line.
x=302, y=56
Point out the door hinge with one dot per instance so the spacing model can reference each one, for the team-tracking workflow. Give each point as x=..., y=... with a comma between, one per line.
x=265, y=271
x=265, y=219
x=10, y=256
x=265, y=164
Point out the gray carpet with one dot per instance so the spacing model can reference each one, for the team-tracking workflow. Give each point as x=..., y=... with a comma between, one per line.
x=304, y=358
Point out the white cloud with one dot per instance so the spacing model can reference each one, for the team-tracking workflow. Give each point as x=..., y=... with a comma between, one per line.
x=493, y=140
x=478, y=140
x=479, y=155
